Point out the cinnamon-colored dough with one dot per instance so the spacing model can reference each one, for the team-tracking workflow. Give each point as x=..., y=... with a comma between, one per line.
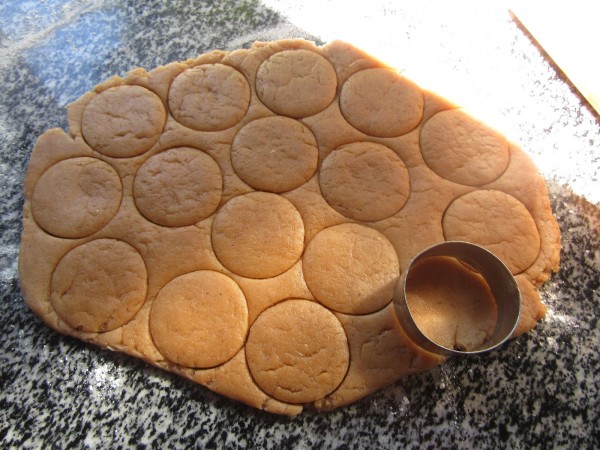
x=242, y=219
x=297, y=351
x=351, y=268
x=463, y=150
x=76, y=197
x=123, y=121
x=496, y=221
x=296, y=83
x=182, y=319
x=99, y=286
x=209, y=97
x=446, y=299
x=178, y=187
x=371, y=169
x=275, y=154
x=258, y=235
x=381, y=102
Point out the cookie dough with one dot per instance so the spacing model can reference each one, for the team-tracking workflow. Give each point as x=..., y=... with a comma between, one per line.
x=297, y=351
x=123, y=121
x=258, y=235
x=373, y=170
x=242, y=219
x=447, y=299
x=461, y=149
x=182, y=319
x=99, y=286
x=209, y=97
x=351, y=268
x=178, y=187
x=76, y=197
x=275, y=154
x=381, y=102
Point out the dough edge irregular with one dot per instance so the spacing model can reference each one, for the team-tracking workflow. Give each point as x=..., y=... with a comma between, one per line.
x=233, y=378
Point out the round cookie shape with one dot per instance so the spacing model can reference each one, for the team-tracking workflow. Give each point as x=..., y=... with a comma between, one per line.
x=296, y=83
x=381, y=102
x=209, y=97
x=450, y=303
x=297, y=351
x=123, y=121
x=351, y=268
x=76, y=197
x=463, y=150
x=497, y=221
x=99, y=286
x=258, y=235
x=199, y=319
x=178, y=187
x=364, y=181
x=275, y=154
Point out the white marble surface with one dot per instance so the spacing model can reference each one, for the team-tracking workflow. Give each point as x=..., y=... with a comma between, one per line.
x=540, y=391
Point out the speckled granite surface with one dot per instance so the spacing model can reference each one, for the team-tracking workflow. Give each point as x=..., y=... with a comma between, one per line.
x=540, y=391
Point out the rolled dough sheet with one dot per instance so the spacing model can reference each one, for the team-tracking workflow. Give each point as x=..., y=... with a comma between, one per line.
x=242, y=219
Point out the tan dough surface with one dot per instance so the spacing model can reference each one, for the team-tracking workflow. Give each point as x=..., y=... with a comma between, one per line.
x=123, y=121
x=446, y=299
x=275, y=154
x=351, y=268
x=76, y=197
x=182, y=319
x=242, y=219
x=178, y=187
x=371, y=169
x=297, y=351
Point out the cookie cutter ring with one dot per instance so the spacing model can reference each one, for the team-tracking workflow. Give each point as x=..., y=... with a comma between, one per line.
x=502, y=284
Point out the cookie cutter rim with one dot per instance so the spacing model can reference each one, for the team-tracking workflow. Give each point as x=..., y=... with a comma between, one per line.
x=501, y=281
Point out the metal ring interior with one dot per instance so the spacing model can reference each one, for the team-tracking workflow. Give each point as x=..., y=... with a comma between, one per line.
x=502, y=284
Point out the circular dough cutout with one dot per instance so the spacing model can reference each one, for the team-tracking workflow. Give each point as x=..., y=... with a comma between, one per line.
x=178, y=187
x=76, y=197
x=123, y=121
x=296, y=83
x=275, y=154
x=381, y=102
x=496, y=221
x=364, y=181
x=451, y=304
x=351, y=268
x=297, y=351
x=99, y=286
x=209, y=97
x=199, y=319
x=463, y=150
x=258, y=235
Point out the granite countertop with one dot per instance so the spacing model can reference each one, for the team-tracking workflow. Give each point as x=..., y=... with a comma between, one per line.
x=539, y=391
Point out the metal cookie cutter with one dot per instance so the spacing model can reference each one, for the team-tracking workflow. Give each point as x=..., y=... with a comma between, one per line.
x=500, y=280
